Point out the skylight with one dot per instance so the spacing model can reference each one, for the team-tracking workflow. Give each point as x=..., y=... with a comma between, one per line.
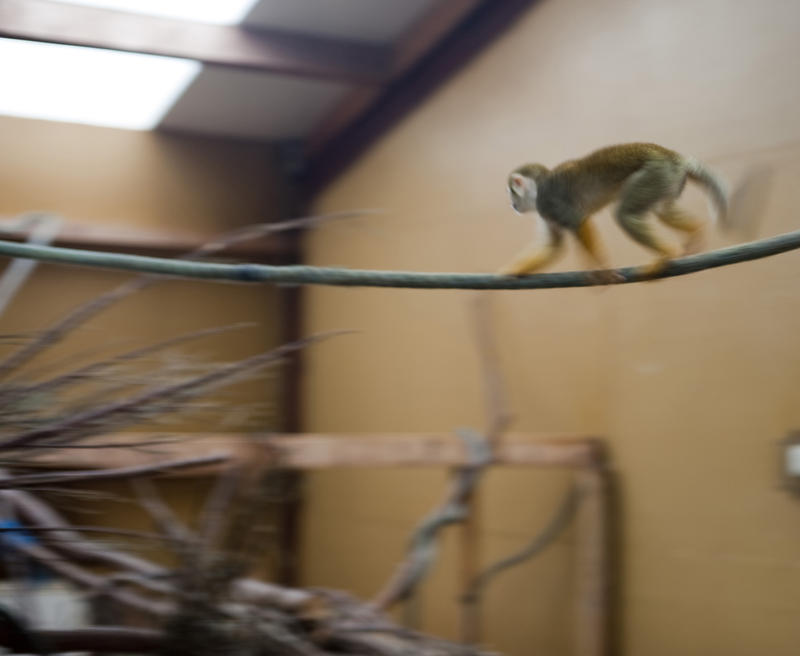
x=221, y=12
x=88, y=85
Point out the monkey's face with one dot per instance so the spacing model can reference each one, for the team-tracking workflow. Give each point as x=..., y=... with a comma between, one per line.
x=522, y=190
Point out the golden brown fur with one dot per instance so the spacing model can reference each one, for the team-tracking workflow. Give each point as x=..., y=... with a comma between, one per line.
x=645, y=177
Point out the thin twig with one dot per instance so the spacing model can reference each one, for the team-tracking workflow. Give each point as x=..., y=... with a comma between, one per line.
x=94, y=368
x=558, y=522
x=165, y=520
x=84, y=312
x=89, y=420
x=44, y=228
x=87, y=579
x=308, y=275
x=498, y=414
x=34, y=480
x=459, y=501
x=36, y=512
x=215, y=515
x=105, y=530
x=422, y=548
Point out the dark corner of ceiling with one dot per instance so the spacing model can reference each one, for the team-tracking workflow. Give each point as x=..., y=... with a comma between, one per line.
x=473, y=33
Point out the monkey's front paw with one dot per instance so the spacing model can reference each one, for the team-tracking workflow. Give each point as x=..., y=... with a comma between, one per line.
x=653, y=269
x=511, y=270
x=695, y=244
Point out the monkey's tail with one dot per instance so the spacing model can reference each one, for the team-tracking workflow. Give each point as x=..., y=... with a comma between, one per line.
x=714, y=185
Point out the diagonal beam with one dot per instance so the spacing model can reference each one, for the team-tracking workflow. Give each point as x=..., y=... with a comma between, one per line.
x=221, y=45
x=477, y=28
x=435, y=25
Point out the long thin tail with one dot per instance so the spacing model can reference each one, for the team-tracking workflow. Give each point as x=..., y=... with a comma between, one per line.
x=714, y=185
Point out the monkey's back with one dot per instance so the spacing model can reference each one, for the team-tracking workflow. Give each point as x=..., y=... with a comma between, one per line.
x=591, y=182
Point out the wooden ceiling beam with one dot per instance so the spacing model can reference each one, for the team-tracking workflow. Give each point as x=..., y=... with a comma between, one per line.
x=232, y=46
x=384, y=109
x=442, y=18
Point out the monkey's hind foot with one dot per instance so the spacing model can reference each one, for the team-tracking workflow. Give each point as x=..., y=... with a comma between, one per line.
x=696, y=243
x=518, y=269
x=512, y=271
x=605, y=277
x=654, y=268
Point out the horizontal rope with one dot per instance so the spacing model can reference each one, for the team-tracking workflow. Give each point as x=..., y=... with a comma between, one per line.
x=308, y=275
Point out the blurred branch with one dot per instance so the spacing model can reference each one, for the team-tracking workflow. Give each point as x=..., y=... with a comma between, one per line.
x=216, y=516
x=44, y=228
x=84, y=312
x=91, y=420
x=458, y=503
x=105, y=530
x=264, y=618
x=308, y=275
x=96, y=639
x=95, y=368
x=86, y=579
x=498, y=414
x=164, y=519
x=33, y=480
x=422, y=548
x=558, y=522
x=38, y=513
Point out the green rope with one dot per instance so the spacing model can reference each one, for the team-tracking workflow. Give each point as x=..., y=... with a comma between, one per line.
x=307, y=275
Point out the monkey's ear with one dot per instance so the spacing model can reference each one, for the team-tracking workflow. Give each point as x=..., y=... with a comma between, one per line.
x=521, y=185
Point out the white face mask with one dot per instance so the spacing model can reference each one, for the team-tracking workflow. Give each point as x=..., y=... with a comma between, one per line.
x=523, y=193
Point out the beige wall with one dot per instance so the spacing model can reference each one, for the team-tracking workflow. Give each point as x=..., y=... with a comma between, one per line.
x=138, y=182
x=124, y=181
x=692, y=380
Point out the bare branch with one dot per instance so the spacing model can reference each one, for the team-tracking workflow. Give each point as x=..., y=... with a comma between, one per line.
x=87, y=579
x=97, y=639
x=458, y=502
x=164, y=519
x=84, y=312
x=498, y=414
x=558, y=522
x=34, y=480
x=95, y=368
x=89, y=420
x=37, y=513
x=422, y=549
x=105, y=530
x=215, y=516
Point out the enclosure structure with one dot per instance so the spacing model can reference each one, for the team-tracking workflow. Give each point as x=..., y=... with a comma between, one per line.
x=586, y=503
x=692, y=381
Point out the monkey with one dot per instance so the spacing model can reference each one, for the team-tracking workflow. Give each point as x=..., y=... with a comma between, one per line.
x=644, y=177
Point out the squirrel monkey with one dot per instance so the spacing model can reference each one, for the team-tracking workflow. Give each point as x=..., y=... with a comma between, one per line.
x=645, y=177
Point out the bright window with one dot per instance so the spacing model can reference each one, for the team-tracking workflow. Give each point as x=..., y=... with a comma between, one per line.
x=223, y=12
x=88, y=85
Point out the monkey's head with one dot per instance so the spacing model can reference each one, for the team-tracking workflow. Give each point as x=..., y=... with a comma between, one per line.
x=522, y=183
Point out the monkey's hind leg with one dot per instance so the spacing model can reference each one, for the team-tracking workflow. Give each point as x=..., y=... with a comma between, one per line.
x=537, y=255
x=694, y=228
x=639, y=196
x=587, y=236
